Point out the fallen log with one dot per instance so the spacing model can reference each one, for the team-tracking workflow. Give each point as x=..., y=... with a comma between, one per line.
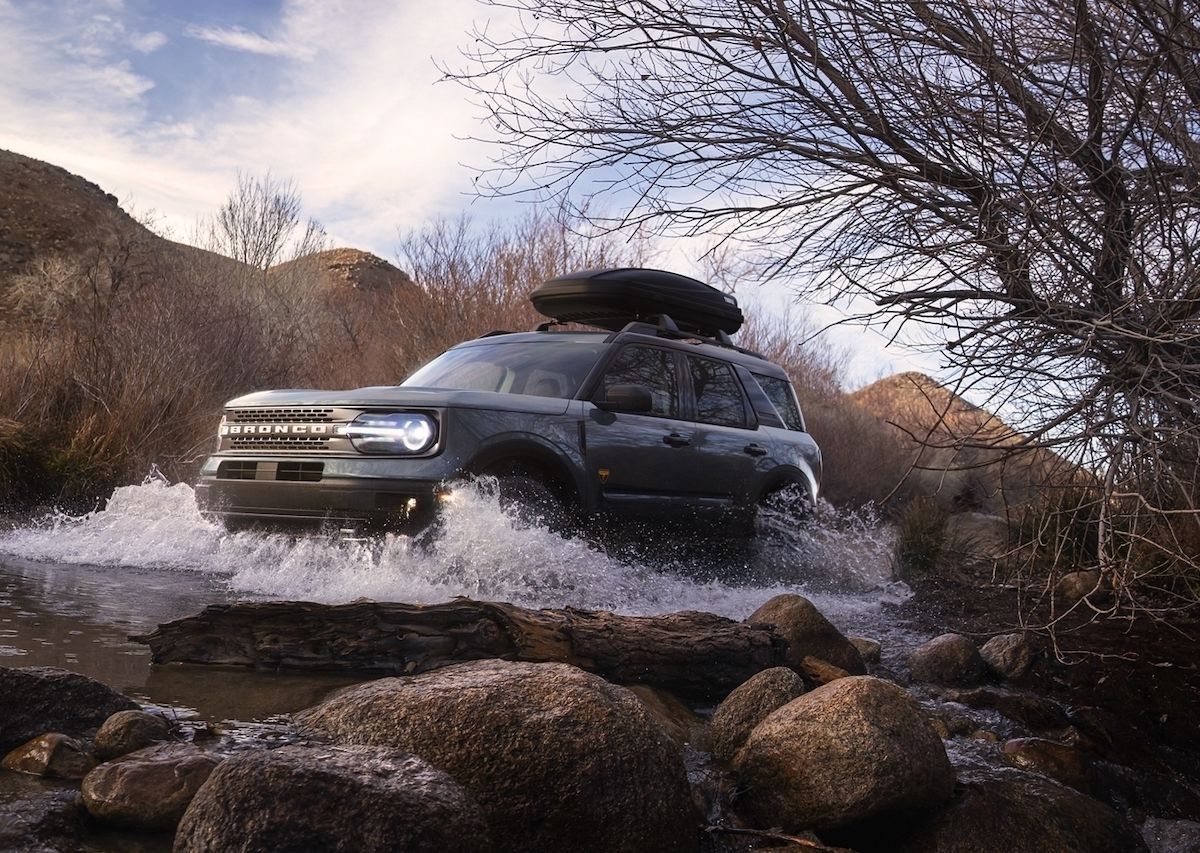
x=696, y=655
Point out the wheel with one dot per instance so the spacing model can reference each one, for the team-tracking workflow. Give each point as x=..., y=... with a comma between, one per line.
x=533, y=502
x=782, y=511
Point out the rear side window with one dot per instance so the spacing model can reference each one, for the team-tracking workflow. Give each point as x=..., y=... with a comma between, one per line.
x=718, y=392
x=649, y=366
x=784, y=399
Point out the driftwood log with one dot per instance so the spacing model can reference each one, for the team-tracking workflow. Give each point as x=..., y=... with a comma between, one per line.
x=696, y=655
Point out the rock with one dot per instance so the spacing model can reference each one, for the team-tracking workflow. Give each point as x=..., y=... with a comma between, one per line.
x=808, y=632
x=1008, y=655
x=1171, y=836
x=977, y=537
x=819, y=672
x=749, y=705
x=1034, y=712
x=39, y=699
x=52, y=754
x=681, y=723
x=870, y=650
x=552, y=754
x=1060, y=762
x=1075, y=586
x=35, y=819
x=128, y=731
x=1021, y=813
x=1144, y=791
x=148, y=789
x=948, y=659
x=300, y=798
x=853, y=751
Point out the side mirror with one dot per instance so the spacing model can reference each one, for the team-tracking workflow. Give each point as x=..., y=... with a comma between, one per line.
x=627, y=398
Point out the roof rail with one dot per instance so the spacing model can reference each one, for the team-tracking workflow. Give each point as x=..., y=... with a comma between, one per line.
x=665, y=327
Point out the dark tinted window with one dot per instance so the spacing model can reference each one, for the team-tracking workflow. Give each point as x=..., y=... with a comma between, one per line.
x=784, y=399
x=718, y=393
x=654, y=368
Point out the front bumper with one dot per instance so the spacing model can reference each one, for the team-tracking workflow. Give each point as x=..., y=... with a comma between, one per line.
x=281, y=492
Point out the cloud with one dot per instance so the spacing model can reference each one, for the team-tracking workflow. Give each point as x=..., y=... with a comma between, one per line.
x=237, y=38
x=147, y=42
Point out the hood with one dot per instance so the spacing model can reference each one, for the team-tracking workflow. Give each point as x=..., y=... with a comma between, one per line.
x=395, y=396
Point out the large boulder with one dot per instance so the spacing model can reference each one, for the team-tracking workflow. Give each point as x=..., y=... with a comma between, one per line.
x=808, y=633
x=1008, y=655
x=559, y=759
x=301, y=798
x=40, y=699
x=948, y=659
x=53, y=754
x=128, y=731
x=1022, y=813
x=854, y=751
x=749, y=705
x=148, y=789
x=35, y=819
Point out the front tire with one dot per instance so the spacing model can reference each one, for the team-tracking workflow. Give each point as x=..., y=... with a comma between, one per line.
x=533, y=503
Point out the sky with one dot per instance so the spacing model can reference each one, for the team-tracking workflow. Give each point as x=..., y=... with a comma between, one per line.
x=162, y=103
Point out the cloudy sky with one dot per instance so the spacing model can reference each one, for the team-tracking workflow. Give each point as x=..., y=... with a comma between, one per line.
x=161, y=103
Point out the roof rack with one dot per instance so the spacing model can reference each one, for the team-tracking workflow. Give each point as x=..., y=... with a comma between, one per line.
x=662, y=326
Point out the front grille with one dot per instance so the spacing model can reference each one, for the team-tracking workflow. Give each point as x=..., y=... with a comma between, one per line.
x=304, y=415
x=237, y=470
x=300, y=472
x=277, y=442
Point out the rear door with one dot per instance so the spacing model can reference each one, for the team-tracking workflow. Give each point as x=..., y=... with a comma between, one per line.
x=642, y=461
x=730, y=449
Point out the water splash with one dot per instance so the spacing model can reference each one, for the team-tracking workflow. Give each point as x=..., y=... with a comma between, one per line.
x=479, y=551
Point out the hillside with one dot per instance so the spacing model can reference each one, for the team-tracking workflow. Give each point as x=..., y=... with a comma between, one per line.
x=349, y=269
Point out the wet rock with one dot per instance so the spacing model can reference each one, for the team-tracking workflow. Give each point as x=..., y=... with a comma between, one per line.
x=148, y=789
x=870, y=650
x=1075, y=586
x=985, y=735
x=299, y=798
x=1144, y=791
x=53, y=754
x=948, y=659
x=808, y=632
x=1022, y=813
x=1034, y=712
x=551, y=753
x=681, y=723
x=128, y=731
x=39, y=699
x=1008, y=655
x=749, y=705
x=853, y=751
x=1060, y=762
x=818, y=672
x=1171, y=836
x=35, y=819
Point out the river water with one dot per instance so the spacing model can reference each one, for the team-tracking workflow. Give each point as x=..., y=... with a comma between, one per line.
x=74, y=589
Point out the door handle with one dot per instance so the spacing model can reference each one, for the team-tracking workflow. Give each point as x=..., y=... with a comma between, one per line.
x=755, y=449
x=676, y=440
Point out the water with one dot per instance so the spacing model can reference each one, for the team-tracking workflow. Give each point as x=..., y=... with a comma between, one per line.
x=72, y=589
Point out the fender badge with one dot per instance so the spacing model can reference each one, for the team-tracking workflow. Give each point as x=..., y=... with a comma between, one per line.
x=603, y=475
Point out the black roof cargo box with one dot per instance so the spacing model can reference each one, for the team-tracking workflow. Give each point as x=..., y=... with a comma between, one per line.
x=613, y=298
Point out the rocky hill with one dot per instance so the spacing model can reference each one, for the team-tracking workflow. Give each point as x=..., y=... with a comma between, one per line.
x=349, y=269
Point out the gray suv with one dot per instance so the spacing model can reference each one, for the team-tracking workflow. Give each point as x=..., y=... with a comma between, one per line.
x=646, y=418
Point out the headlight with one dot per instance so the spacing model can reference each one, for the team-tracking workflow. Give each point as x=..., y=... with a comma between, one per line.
x=400, y=433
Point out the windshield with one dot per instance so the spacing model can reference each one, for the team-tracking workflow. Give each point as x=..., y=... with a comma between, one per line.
x=547, y=368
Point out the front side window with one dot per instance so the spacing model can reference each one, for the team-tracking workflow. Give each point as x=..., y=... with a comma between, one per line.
x=719, y=398
x=650, y=367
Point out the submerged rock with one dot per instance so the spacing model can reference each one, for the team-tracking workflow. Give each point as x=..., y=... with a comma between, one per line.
x=40, y=699
x=53, y=754
x=1034, y=712
x=558, y=759
x=808, y=633
x=148, y=789
x=1022, y=813
x=1062, y=763
x=128, y=731
x=1171, y=836
x=749, y=705
x=34, y=819
x=856, y=750
x=1008, y=655
x=300, y=798
x=948, y=659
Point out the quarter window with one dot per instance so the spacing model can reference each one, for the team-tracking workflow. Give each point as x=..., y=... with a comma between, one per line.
x=648, y=366
x=719, y=397
x=784, y=399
